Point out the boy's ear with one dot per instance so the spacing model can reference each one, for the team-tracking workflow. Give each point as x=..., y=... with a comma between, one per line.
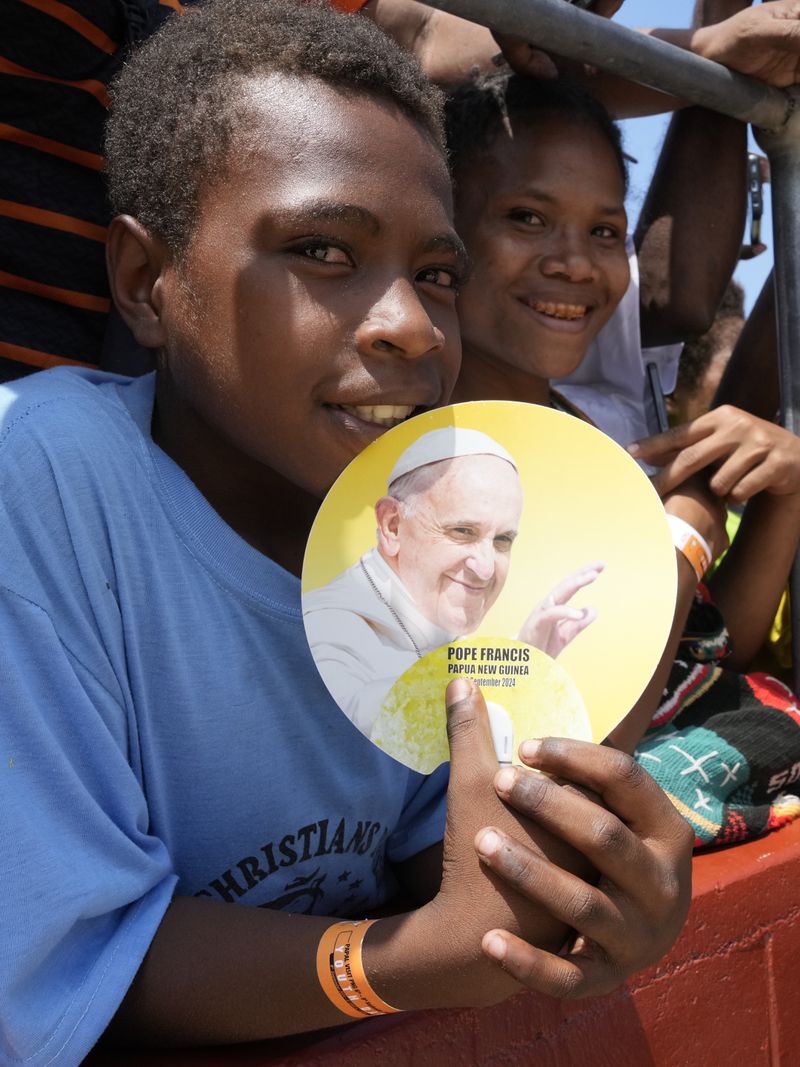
x=387, y=513
x=136, y=261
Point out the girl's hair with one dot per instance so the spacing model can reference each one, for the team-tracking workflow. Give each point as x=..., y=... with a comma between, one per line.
x=476, y=113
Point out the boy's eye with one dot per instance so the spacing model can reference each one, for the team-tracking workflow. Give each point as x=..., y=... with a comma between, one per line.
x=525, y=216
x=445, y=277
x=324, y=252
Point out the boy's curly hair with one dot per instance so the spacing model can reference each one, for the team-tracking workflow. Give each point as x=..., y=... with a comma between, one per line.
x=177, y=106
x=476, y=113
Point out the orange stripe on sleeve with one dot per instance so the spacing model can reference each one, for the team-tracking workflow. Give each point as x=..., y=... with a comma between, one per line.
x=77, y=22
x=176, y=5
x=348, y=5
x=87, y=301
x=53, y=220
x=89, y=85
x=38, y=359
x=92, y=160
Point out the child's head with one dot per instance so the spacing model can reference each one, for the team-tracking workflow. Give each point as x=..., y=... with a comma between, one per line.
x=286, y=240
x=540, y=186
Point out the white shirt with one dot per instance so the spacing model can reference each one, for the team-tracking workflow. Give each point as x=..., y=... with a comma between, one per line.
x=611, y=384
x=358, y=644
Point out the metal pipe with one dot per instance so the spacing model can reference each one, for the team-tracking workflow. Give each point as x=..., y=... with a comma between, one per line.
x=568, y=31
x=783, y=148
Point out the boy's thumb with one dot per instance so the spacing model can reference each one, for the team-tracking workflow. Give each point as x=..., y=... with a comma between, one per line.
x=468, y=731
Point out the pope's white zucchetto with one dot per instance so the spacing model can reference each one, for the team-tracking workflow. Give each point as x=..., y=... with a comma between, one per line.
x=451, y=442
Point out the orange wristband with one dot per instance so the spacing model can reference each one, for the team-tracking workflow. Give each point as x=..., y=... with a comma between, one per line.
x=341, y=972
x=692, y=546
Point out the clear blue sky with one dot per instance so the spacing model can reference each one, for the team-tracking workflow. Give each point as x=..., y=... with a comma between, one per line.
x=643, y=139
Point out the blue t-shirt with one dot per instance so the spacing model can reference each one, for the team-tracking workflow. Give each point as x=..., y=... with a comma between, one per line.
x=163, y=728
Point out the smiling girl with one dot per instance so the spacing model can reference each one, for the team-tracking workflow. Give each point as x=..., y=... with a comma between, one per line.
x=540, y=185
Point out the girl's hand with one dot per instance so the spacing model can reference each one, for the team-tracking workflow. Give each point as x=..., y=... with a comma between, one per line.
x=744, y=455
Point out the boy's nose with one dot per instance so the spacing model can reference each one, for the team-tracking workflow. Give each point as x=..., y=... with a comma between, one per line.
x=399, y=323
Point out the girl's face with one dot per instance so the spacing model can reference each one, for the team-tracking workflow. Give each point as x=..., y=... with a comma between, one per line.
x=543, y=217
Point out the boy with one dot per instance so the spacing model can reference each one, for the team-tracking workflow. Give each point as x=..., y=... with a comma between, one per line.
x=285, y=245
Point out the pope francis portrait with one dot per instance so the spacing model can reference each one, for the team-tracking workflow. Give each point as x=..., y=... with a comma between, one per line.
x=445, y=534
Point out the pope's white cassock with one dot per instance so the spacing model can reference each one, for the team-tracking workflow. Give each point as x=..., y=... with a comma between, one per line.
x=362, y=649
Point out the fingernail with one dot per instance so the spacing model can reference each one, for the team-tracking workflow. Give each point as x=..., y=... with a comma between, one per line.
x=529, y=750
x=504, y=780
x=495, y=946
x=458, y=689
x=634, y=449
x=489, y=843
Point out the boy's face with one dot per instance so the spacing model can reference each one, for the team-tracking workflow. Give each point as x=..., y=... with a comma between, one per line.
x=315, y=306
x=543, y=218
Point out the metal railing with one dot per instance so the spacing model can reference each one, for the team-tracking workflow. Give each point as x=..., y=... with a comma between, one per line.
x=575, y=34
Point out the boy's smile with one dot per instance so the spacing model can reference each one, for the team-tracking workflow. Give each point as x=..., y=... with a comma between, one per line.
x=543, y=217
x=316, y=303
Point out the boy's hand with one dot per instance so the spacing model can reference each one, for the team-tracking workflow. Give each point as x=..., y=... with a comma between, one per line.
x=519, y=904
x=553, y=624
x=641, y=846
x=748, y=455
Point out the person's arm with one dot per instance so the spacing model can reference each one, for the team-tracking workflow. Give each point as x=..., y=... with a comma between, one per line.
x=750, y=380
x=516, y=851
x=748, y=584
x=693, y=503
x=689, y=231
x=214, y=972
x=450, y=48
x=745, y=459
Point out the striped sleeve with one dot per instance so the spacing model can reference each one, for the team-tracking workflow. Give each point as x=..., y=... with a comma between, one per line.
x=56, y=60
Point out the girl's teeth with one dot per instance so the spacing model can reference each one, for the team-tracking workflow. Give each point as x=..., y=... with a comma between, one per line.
x=560, y=311
x=381, y=414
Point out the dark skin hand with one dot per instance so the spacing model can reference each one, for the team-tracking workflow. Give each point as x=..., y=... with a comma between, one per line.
x=746, y=455
x=615, y=918
x=640, y=846
x=763, y=42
